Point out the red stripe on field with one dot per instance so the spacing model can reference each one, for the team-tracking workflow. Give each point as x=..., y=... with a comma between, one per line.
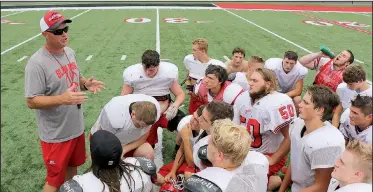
x=294, y=7
x=334, y=22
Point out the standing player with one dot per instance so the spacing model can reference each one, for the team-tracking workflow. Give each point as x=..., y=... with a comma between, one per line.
x=238, y=63
x=196, y=65
x=216, y=87
x=53, y=85
x=290, y=75
x=315, y=143
x=130, y=117
x=353, y=170
x=355, y=82
x=267, y=115
x=242, y=78
x=356, y=122
x=329, y=71
x=157, y=79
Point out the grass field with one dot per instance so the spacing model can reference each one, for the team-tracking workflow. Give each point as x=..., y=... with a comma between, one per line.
x=105, y=35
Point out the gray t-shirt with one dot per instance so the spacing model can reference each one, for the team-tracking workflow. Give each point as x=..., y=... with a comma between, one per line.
x=44, y=76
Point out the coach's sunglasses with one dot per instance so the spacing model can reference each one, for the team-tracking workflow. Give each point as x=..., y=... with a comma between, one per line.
x=60, y=31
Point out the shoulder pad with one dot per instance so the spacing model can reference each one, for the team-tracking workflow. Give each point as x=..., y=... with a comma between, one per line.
x=70, y=186
x=147, y=165
x=232, y=76
x=202, y=154
x=199, y=184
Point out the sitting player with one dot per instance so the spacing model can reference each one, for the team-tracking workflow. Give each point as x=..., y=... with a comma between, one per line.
x=156, y=79
x=355, y=83
x=196, y=65
x=215, y=87
x=242, y=78
x=238, y=63
x=228, y=148
x=353, y=170
x=130, y=117
x=109, y=172
x=267, y=114
x=315, y=143
x=356, y=121
x=189, y=131
x=290, y=75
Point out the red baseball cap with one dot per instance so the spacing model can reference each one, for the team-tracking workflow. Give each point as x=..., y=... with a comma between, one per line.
x=51, y=20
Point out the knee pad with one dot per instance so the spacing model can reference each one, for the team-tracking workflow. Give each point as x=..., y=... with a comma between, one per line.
x=173, y=123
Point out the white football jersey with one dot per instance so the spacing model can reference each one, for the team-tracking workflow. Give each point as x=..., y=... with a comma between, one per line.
x=242, y=80
x=255, y=164
x=286, y=81
x=183, y=122
x=318, y=149
x=229, y=181
x=242, y=107
x=140, y=182
x=115, y=117
x=355, y=187
x=265, y=120
x=346, y=94
x=351, y=132
x=196, y=68
x=135, y=77
x=197, y=145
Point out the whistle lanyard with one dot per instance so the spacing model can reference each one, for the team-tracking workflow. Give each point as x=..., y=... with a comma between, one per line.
x=70, y=78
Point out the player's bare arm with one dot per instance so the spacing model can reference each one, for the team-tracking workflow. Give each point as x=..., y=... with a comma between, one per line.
x=322, y=179
x=126, y=89
x=179, y=94
x=47, y=102
x=308, y=60
x=287, y=180
x=283, y=149
x=337, y=115
x=297, y=91
x=186, y=133
x=179, y=160
x=134, y=144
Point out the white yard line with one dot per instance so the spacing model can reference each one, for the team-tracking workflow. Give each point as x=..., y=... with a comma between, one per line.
x=123, y=57
x=157, y=35
x=275, y=34
x=89, y=58
x=22, y=58
x=12, y=14
x=37, y=35
x=158, y=156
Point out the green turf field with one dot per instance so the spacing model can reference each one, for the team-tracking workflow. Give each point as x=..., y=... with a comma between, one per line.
x=105, y=35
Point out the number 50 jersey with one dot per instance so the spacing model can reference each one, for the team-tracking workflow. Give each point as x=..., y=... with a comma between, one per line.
x=265, y=120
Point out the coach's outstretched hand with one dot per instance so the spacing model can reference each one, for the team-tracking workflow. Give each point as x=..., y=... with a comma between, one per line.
x=94, y=86
x=72, y=97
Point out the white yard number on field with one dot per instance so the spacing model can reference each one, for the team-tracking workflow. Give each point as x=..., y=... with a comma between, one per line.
x=327, y=24
x=137, y=20
x=175, y=20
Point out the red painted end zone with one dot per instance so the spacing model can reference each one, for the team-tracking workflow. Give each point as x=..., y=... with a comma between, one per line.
x=294, y=7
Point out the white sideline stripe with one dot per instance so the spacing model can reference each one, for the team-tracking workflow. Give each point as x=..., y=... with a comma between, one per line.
x=12, y=14
x=37, y=35
x=158, y=39
x=89, y=58
x=123, y=57
x=105, y=8
x=274, y=34
x=362, y=14
x=165, y=59
x=22, y=58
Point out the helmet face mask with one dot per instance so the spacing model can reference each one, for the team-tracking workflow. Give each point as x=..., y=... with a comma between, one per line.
x=174, y=186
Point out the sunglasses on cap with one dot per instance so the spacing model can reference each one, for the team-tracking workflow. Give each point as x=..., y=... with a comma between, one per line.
x=60, y=31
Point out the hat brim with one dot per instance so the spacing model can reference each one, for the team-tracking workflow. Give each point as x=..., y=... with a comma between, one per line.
x=58, y=23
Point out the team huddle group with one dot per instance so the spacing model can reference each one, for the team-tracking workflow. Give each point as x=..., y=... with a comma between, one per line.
x=245, y=117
